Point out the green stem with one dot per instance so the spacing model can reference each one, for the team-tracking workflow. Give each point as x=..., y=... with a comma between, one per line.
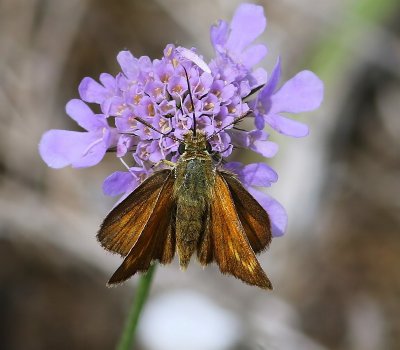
x=128, y=334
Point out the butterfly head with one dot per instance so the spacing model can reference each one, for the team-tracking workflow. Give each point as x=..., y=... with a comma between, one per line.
x=195, y=144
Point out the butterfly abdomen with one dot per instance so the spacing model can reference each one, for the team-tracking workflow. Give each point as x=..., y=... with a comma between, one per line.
x=193, y=186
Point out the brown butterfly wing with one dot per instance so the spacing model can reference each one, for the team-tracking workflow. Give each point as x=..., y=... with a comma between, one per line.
x=156, y=241
x=205, y=247
x=254, y=218
x=123, y=225
x=165, y=252
x=232, y=250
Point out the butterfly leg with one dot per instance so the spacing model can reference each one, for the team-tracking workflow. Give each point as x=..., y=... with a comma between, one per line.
x=164, y=161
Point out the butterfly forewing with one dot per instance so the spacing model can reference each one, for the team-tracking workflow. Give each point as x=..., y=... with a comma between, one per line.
x=156, y=241
x=123, y=225
x=254, y=218
x=232, y=250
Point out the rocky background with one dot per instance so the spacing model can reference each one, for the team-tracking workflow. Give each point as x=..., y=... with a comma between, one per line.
x=335, y=272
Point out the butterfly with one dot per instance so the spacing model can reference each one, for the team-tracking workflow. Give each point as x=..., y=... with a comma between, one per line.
x=195, y=207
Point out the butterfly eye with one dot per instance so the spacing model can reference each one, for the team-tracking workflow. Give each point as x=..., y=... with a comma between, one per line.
x=208, y=147
x=181, y=148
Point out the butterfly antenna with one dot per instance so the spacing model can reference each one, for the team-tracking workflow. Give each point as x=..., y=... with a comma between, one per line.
x=153, y=128
x=237, y=120
x=191, y=100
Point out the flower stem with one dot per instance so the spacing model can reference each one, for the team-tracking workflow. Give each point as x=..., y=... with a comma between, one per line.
x=128, y=334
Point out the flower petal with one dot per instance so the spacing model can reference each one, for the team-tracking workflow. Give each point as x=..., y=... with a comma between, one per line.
x=219, y=35
x=92, y=155
x=275, y=210
x=234, y=167
x=259, y=174
x=129, y=64
x=247, y=24
x=253, y=55
x=287, y=126
x=259, y=121
x=258, y=77
x=119, y=182
x=124, y=143
x=269, y=88
x=91, y=91
x=265, y=148
x=304, y=92
x=60, y=148
x=108, y=81
x=239, y=137
x=83, y=115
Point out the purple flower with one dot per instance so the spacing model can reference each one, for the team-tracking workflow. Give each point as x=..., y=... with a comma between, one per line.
x=235, y=57
x=60, y=148
x=105, y=94
x=256, y=140
x=302, y=93
x=274, y=209
x=121, y=182
x=124, y=182
x=233, y=40
x=151, y=104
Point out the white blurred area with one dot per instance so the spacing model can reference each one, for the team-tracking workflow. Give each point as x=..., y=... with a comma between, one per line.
x=334, y=272
x=184, y=319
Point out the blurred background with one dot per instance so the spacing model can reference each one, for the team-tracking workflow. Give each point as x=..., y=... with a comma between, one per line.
x=336, y=271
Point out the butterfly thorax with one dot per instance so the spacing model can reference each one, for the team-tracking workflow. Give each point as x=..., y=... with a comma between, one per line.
x=194, y=183
x=195, y=146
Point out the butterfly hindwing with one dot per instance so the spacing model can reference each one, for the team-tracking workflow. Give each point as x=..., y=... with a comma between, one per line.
x=255, y=220
x=231, y=248
x=205, y=248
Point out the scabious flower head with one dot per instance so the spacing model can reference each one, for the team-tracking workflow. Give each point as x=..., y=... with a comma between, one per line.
x=151, y=104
